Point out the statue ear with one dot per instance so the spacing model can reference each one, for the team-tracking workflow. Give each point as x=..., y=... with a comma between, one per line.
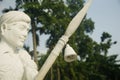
x=3, y=28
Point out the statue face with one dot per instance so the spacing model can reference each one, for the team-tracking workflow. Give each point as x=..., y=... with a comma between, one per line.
x=16, y=33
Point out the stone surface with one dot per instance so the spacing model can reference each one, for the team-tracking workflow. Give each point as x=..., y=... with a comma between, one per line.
x=15, y=62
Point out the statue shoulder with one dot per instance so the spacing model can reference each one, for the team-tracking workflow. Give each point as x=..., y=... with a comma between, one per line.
x=26, y=59
x=23, y=53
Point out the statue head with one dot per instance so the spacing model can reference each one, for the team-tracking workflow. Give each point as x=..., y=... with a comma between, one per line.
x=14, y=26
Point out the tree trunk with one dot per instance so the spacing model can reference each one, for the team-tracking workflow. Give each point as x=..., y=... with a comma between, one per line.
x=51, y=72
x=34, y=41
x=58, y=73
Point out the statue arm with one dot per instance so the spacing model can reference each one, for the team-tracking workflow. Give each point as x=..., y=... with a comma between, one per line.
x=30, y=67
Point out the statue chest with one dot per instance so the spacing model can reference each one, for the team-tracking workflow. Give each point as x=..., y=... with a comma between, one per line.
x=11, y=67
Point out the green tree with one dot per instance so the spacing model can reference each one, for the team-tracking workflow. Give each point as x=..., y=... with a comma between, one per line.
x=92, y=61
x=52, y=17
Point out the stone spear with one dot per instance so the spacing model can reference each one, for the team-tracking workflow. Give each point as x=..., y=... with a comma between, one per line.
x=73, y=25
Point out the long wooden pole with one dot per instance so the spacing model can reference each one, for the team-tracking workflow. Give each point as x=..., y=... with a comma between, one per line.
x=62, y=41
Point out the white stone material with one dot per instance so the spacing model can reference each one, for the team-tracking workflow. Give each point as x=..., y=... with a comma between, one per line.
x=69, y=54
x=62, y=41
x=15, y=62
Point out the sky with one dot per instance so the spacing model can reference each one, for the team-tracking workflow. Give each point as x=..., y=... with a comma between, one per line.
x=105, y=14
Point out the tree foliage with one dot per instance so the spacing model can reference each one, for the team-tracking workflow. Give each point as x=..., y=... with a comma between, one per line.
x=52, y=17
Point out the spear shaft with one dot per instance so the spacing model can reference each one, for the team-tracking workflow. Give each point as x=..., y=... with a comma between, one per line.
x=73, y=25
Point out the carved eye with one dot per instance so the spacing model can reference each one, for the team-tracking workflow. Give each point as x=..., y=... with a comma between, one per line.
x=21, y=27
x=14, y=24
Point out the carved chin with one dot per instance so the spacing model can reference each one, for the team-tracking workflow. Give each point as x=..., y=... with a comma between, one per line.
x=20, y=45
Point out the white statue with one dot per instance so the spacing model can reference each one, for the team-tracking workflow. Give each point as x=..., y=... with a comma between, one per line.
x=15, y=62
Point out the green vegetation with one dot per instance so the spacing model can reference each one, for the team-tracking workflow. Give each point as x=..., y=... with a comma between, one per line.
x=51, y=17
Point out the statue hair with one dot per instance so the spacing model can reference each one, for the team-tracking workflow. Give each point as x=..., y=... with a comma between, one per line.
x=13, y=16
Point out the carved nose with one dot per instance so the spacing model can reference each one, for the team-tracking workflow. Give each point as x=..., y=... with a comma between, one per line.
x=25, y=34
